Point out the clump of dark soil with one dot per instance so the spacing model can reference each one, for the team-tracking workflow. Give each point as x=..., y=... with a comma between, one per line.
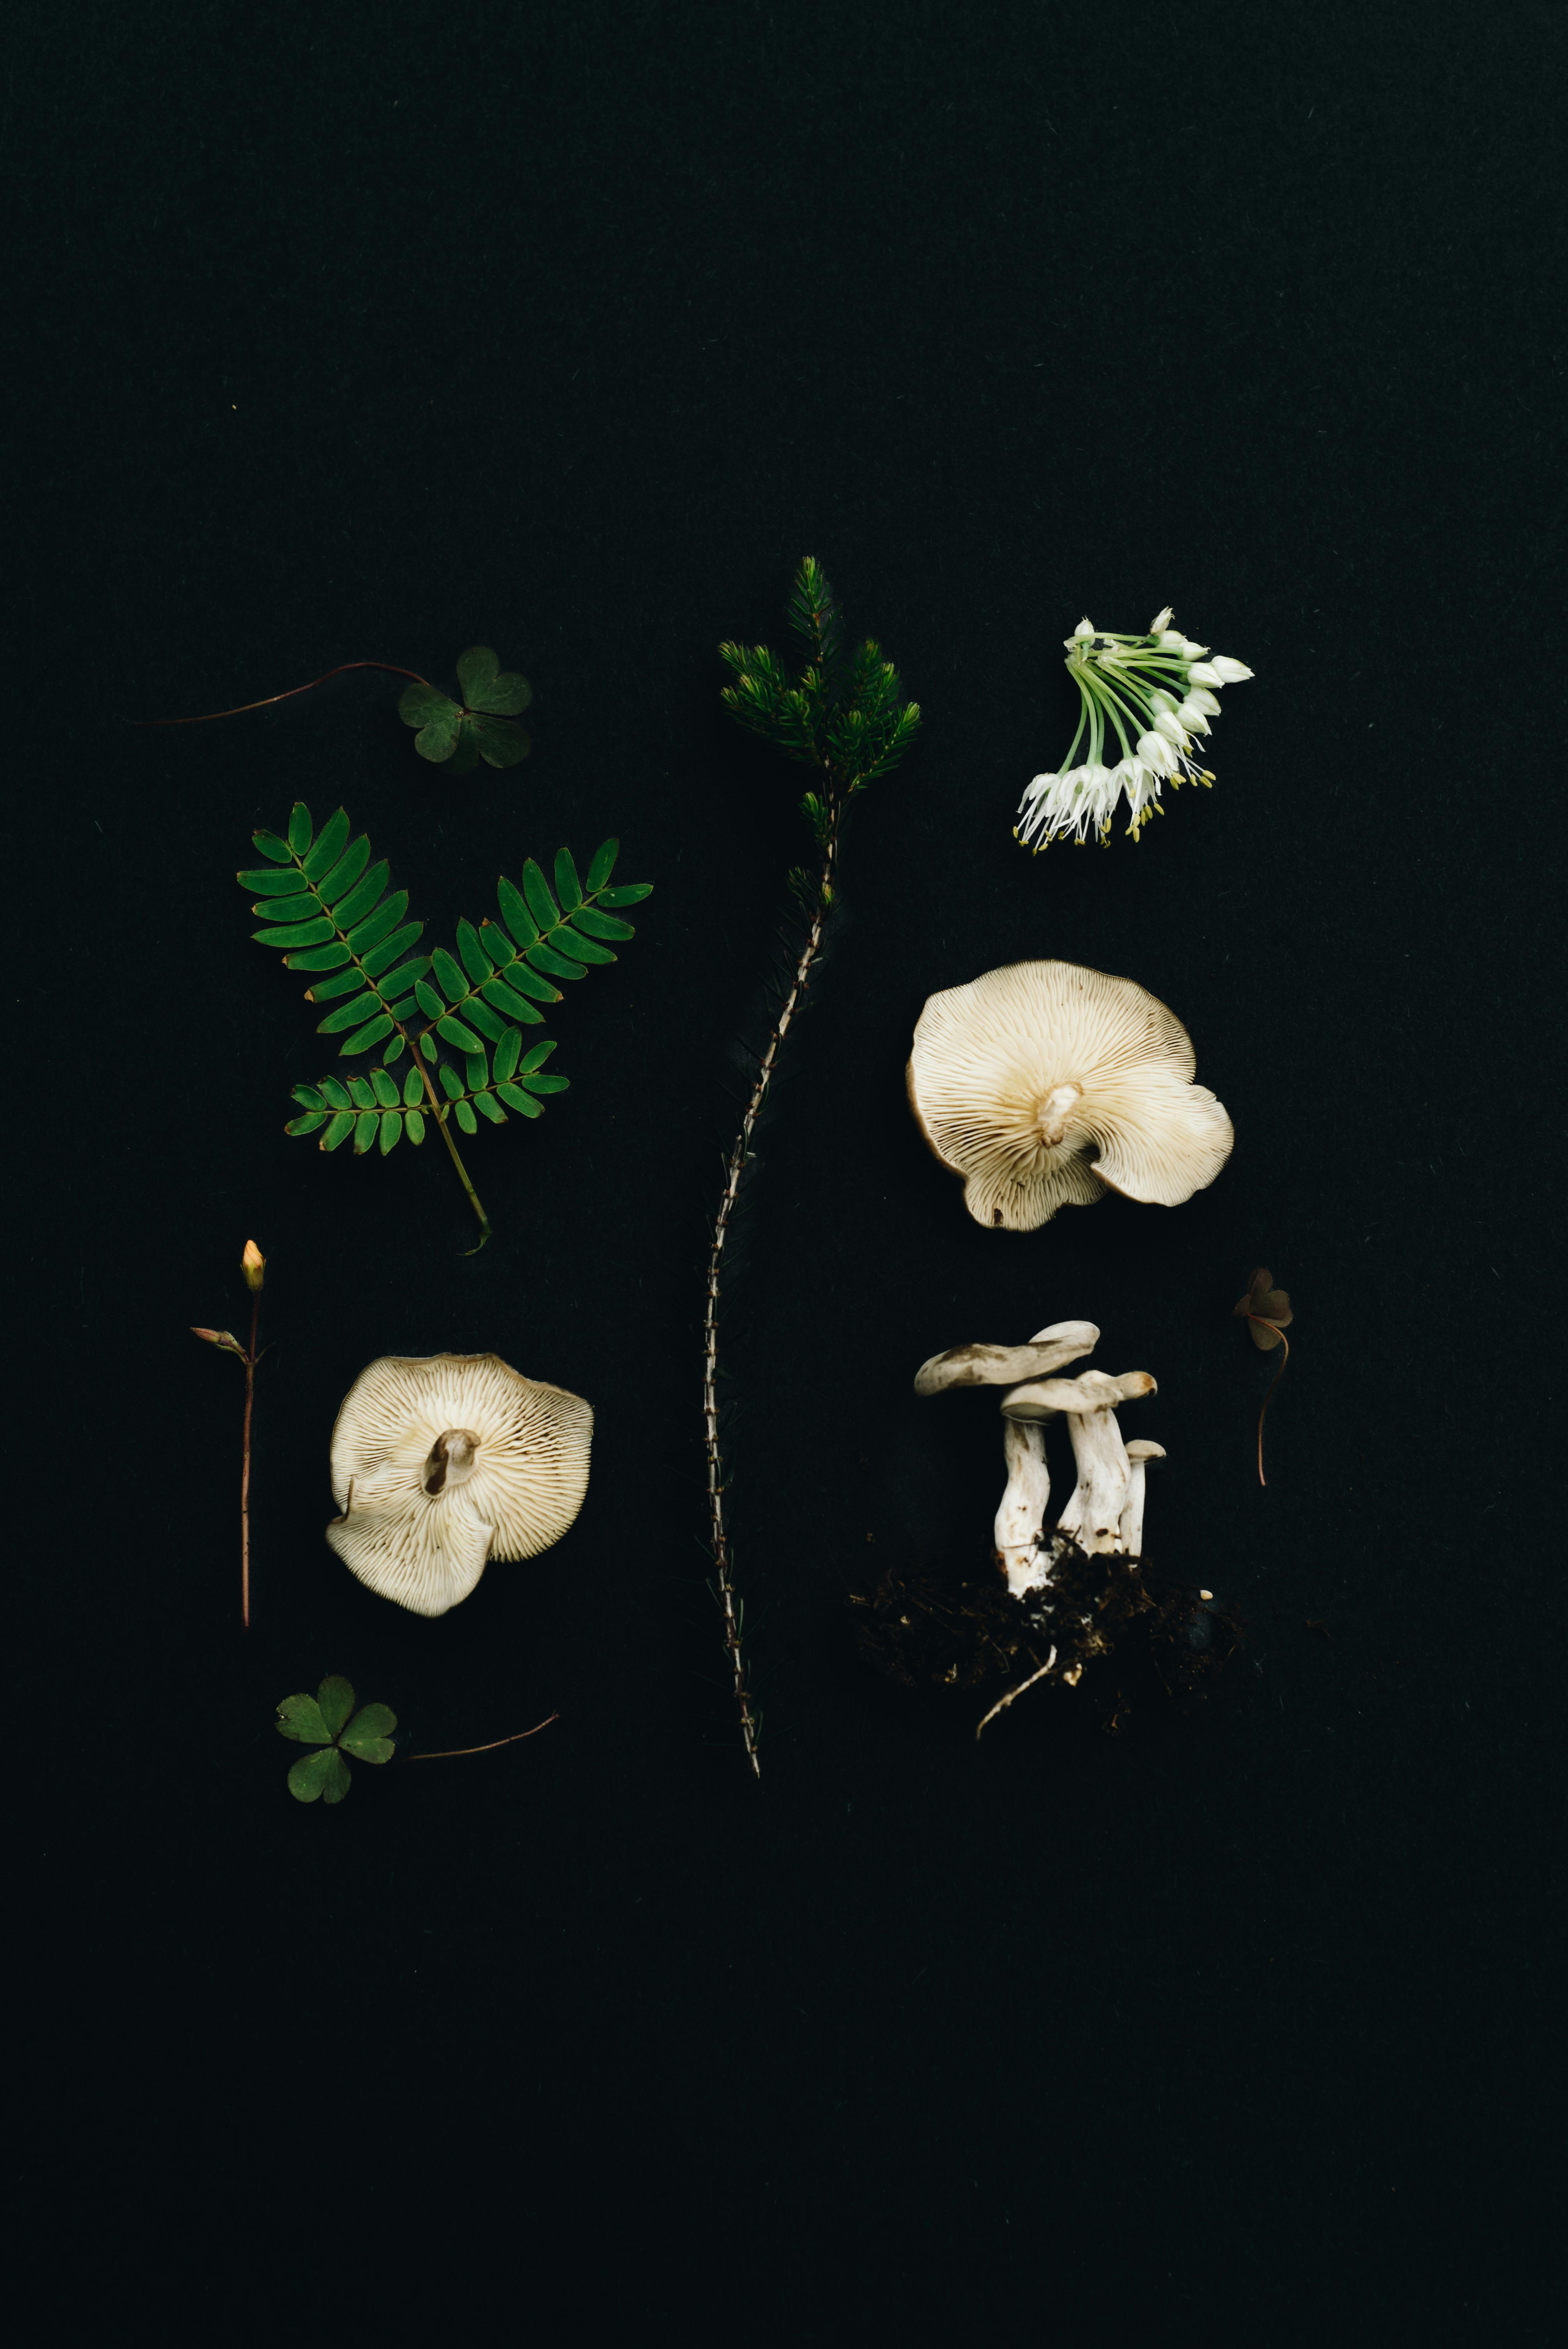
x=929, y=1630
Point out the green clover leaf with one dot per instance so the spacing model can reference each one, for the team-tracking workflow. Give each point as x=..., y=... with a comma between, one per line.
x=458, y=735
x=327, y=1720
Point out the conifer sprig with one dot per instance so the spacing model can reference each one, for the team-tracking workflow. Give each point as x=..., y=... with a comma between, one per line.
x=331, y=912
x=843, y=714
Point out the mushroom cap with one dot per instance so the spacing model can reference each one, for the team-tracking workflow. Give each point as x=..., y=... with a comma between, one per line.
x=529, y=1473
x=1091, y=1391
x=1141, y=1449
x=1018, y=1076
x=1004, y=1366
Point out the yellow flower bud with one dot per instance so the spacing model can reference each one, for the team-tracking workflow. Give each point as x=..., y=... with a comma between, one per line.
x=254, y=1265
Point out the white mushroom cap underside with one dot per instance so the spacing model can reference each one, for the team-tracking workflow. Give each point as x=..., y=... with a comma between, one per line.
x=996, y=1061
x=530, y=1472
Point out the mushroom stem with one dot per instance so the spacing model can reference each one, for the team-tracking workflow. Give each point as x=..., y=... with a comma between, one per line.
x=1022, y=1513
x=1093, y=1515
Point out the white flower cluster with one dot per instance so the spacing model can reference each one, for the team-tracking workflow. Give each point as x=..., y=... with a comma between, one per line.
x=1157, y=693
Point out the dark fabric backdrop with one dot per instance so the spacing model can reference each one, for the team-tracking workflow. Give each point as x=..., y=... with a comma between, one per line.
x=371, y=333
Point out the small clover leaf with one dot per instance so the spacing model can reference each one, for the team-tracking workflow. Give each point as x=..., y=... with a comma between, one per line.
x=1266, y=1310
x=458, y=735
x=327, y=1720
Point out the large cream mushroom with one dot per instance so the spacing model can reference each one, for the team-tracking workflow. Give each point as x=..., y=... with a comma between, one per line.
x=1045, y=1083
x=442, y=1462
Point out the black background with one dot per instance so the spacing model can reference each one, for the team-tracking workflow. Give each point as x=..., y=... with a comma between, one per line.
x=371, y=334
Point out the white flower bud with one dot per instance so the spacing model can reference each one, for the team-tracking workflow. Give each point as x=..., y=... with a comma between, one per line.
x=1230, y=672
x=1172, y=729
x=1156, y=752
x=1160, y=622
x=1084, y=628
x=1192, y=716
x=1199, y=698
x=1204, y=673
x=1170, y=640
x=1190, y=651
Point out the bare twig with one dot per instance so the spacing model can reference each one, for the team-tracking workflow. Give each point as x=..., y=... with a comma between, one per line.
x=267, y=699
x=1273, y=1383
x=719, y=1531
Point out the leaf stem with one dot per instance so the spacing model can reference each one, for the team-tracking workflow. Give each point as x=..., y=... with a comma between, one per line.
x=456, y=1753
x=441, y=1116
x=267, y=699
x=1266, y=1324
x=719, y=1531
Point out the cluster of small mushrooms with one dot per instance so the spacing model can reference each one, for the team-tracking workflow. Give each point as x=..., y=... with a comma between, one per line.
x=442, y=1462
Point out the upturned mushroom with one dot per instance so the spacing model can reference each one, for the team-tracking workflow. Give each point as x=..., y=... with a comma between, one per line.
x=1045, y=1083
x=442, y=1462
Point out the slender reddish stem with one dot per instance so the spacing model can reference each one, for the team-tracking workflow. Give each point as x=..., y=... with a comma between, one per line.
x=268, y=698
x=1279, y=1375
x=246, y=1468
x=454, y=1752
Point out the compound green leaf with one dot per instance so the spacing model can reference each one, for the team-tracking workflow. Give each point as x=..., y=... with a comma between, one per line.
x=604, y=865
x=488, y=1106
x=506, y=1053
x=296, y=934
x=339, y=982
x=601, y=926
x=544, y=958
x=540, y=904
x=391, y=1130
x=306, y=1124
x=463, y=1112
x=451, y=1083
x=514, y=912
x=628, y=893
x=415, y=1121
x=350, y=1015
x=360, y=900
x=395, y=1049
x=488, y=1023
x=476, y=1071
x=455, y=1032
x=345, y=871
x=340, y=1129
x=544, y=1084
x=361, y=1092
x=266, y=881
x=428, y=1001
x=381, y=958
x=413, y=1089
x=407, y=975
x=329, y=847
x=517, y=1099
x=537, y=1056
x=307, y=1096
x=382, y=1086
x=300, y=1717
x=364, y=1037
x=517, y=974
x=272, y=846
x=365, y=1129
x=299, y=828
x=336, y=1092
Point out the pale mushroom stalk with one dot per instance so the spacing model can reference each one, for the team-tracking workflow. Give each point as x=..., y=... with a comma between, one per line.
x=1138, y=1455
x=1022, y=1515
x=1093, y=1515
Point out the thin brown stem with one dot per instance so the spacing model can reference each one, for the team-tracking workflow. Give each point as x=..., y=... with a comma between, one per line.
x=267, y=699
x=456, y=1753
x=719, y=1531
x=251, y=1358
x=440, y=1115
x=1273, y=1383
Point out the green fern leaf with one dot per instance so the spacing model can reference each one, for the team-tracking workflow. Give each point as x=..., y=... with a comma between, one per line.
x=515, y=1098
x=299, y=833
x=341, y=1127
x=540, y=904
